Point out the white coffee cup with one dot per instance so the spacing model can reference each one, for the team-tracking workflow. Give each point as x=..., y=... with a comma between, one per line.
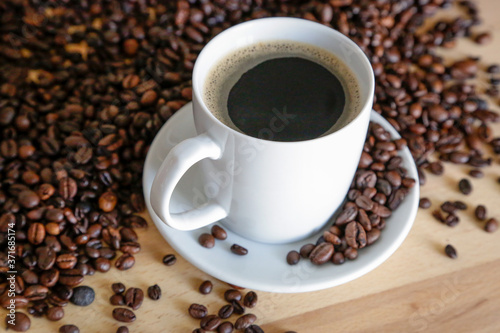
x=267, y=191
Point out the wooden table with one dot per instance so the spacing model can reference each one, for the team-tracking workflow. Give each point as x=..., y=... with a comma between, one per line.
x=418, y=289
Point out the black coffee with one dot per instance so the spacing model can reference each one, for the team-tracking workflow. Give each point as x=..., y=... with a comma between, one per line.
x=282, y=91
x=293, y=98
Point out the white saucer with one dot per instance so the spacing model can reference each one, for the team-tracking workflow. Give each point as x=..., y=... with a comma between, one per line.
x=264, y=267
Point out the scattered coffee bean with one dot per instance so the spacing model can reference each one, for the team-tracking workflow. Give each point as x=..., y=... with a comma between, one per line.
x=22, y=322
x=257, y=329
x=133, y=298
x=122, y=329
x=480, y=212
x=55, y=313
x=154, y=292
x=69, y=329
x=82, y=296
x=225, y=327
x=219, y=232
x=238, y=308
x=293, y=258
x=210, y=323
x=450, y=251
x=124, y=315
x=197, y=311
x=491, y=225
x=118, y=287
x=117, y=300
x=169, y=259
x=206, y=287
x=226, y=311
x=250, y=299
x=206, y=240
x=476, y=173
x=245, y=321
x=424, y=203
x=231, y=295
x=239, y=250
x=460, y=205
x=465, y=186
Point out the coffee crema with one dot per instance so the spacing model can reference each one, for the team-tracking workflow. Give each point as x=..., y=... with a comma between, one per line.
x=282, y=91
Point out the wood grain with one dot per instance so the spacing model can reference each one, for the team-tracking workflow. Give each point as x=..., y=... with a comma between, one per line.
x=418, y=289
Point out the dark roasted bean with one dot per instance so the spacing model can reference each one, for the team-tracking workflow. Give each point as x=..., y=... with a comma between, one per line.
x=197, y=311
x=225, y=327
x=219, y=232
x=450, y=251
x=480, y=212
x=154, y=292
x=465, y=186
x=424, y=203
x=491, y=225
x=22, y=322
x=210, y=323
x=231, y=295
x=206, y=287
x=133, y=298
x=293, y=258
x=250, y=299
x=206, y=240
x=55, y=313
x=239, y=250
x=124, y=315
x=169, y=259
x=245, y=321
x=69, y=329
x=322, y=253
x=226, y=311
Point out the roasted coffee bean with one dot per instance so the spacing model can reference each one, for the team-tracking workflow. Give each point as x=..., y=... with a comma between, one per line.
x=338, y=258
x=169, y=259
x=225, y=327
x=450, y=251
x=480, y=212
x=206, y=240
x=49, y=277
x=199, y=330
x=351, y=253
x=210, y=323
x=55, y=313
x=35, y=292
x=239, y=250
x=448, y=207
x=231, y=295
x=238, y=308
x=226, y=311
x=206, y=287
x=321, y=253
x=154, y=292
x=245, y=321
x=21, y=323
x=46, y=257
x=125, y=261
x=257, y=329
x=63, y=292
x=69, y=329
x=219, y=232
x=306, y=250
x=36, y=233
x=124, y=315
x=122, y=329
x=476, y=173
x=424, y=203
x=491, y=225
x=118, y=287
x=117, y=299
x=355, y=235
x=460, y=205
x=250, y=299
x=128, y=235
x=293, y=258
x=465, y=186
x=133, y=298
x=102, y=264
x=197, y=311
x=82, y=296
x=66, y=261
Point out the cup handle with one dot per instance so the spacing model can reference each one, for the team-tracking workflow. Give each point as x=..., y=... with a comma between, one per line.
x=174, y=166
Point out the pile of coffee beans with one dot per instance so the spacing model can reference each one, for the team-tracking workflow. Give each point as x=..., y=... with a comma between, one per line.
x=379, y=187
x=85, y=86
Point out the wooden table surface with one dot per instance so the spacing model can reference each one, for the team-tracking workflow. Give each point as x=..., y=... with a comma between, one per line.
x=418, y=289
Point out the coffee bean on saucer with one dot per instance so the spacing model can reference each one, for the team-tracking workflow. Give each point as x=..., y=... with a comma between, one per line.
x=450, y=251
x=321, y=253
x=206, y=240
x=169, y=259
x=219, y=233
x=206, y=287
x=306, y=250
x=239, y=250
x=293, y=258
x=231, y=295
x=197, y=311
x=154, y=292
x=491, y=225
